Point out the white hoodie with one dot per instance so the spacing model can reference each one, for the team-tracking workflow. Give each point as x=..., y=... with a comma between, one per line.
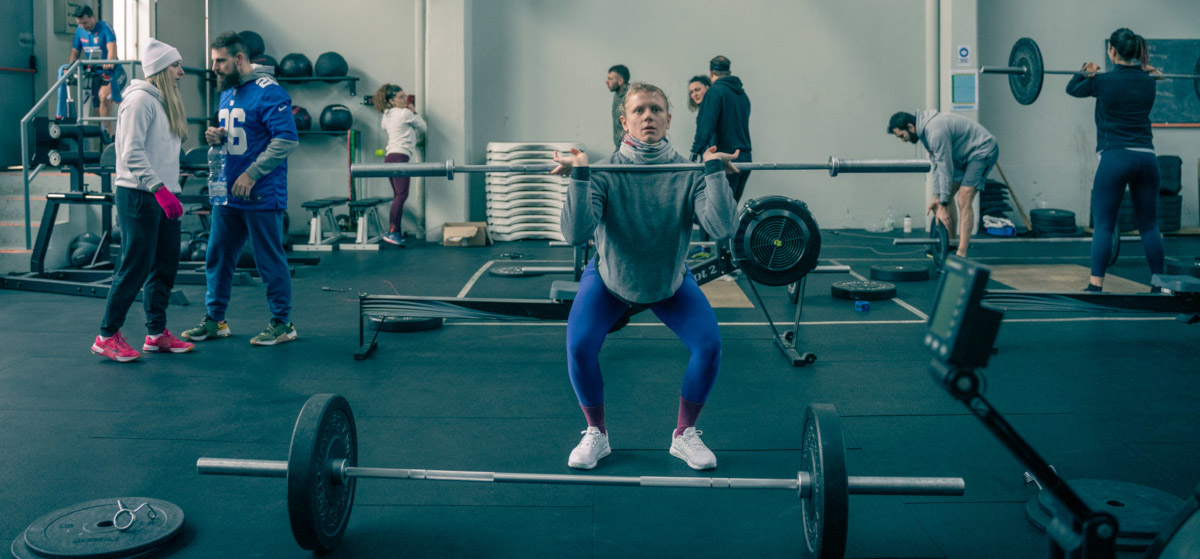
x=147, y=152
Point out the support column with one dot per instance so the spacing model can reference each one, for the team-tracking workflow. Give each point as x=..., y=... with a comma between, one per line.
x=448, y=110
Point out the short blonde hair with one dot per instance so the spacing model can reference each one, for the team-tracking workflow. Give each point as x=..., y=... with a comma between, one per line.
x=643, y=87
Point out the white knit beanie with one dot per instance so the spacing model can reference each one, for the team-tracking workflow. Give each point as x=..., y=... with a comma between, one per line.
x=157, y=56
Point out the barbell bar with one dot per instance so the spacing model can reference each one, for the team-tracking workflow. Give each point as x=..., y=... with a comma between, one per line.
x=1025, y=72
x=835, y=166
x=322, y=472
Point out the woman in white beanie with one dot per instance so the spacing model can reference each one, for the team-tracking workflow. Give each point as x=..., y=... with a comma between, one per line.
x=151, y=125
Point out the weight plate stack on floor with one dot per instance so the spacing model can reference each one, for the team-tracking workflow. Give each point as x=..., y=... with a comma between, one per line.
x=993, y=200
x=1140, y=511
x=1168, y=213
x=901, y=272
x=863, y=290
x=1169, y=173
x=92, y=529
x=1050, y=222
x=1183, y=266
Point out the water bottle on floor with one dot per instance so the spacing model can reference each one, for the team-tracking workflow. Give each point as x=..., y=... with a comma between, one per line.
x=218, y=193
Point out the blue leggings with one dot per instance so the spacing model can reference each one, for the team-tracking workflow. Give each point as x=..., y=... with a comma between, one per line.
x=1139, y=170
x=687, y=313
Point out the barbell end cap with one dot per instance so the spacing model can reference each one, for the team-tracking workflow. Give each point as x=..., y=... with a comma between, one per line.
x=834, y=163
x=449, y=169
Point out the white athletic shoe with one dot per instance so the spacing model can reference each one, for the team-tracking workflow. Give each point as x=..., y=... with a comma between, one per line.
x=689, y=448
x=590, y=449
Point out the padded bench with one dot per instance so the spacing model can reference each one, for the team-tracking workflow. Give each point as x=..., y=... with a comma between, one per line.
x=562, y=290
x=318, y=238
x=365, y=213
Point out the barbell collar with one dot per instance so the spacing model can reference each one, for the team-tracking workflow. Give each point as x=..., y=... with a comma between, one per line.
x=858, y=485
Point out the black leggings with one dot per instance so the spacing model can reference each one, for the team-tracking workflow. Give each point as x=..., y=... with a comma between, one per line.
x=1138, y=169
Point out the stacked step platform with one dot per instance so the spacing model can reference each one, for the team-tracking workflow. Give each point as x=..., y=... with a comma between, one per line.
x=525, y=206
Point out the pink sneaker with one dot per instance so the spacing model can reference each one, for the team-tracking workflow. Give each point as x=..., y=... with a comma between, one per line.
x=167, y=343
x=115, y=348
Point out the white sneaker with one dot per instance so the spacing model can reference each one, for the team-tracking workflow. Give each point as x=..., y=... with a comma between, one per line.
x=590, y=449
x=689, y=448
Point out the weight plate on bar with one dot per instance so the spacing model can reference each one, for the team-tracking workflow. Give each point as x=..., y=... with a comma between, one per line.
x=319, y=503
x=1115, y=248
x=900, y=272
x=863, y=290
x=940, y=248
x=404, y=323
x=1026, y=87
x=87, y=530
x=777, y=241
x=826, y=512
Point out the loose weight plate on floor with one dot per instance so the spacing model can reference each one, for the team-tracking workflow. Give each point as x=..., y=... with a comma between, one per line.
x=1183, y=267
x=318, y=504
x=404, y=323
x=863, y=290
x=900, y=272
x=1140, y=511
x=88, y=530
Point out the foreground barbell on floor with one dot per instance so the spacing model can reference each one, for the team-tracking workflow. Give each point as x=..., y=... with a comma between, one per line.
x=322, y=471
x=1025, y=72
x=448, y=169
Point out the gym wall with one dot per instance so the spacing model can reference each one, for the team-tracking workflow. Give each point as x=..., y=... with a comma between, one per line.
x=1048, y=149
x=823, y=78
x=376, y=40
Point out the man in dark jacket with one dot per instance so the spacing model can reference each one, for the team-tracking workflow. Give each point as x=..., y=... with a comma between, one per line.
x=724, y=120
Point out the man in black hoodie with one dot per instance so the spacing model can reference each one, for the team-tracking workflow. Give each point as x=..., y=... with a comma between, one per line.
x=724, y=120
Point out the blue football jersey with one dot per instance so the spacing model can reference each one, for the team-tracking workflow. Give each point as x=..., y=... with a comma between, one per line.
x=100, y=36
x=252, y=114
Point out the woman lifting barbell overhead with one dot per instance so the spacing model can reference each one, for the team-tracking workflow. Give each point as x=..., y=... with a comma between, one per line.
x=642, y=224
x=1125, y=146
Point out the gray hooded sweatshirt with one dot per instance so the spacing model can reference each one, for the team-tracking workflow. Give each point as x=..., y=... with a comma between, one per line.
x=642, y=222
x=147, y=152
x=952, y=141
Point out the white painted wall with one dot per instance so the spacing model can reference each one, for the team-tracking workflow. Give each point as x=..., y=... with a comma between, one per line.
x=375, y=37
x=1048, y=148
x=823, y=78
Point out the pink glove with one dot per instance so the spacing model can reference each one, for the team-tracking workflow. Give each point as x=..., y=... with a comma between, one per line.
x=170, y=204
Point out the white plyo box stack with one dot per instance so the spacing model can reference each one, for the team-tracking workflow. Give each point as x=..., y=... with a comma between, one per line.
x=525, y=206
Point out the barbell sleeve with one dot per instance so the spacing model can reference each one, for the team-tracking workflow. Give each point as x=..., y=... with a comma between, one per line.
x=858, y=485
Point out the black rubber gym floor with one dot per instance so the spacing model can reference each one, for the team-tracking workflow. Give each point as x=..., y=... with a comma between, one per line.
x=1111, y=397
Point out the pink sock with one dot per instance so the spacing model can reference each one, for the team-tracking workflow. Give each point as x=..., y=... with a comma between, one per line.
x=688, y=412
x=595, y=416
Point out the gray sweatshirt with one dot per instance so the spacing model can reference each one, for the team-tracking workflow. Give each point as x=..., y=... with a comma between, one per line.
x=147, y=153
x=952, y=141
x=642, y=222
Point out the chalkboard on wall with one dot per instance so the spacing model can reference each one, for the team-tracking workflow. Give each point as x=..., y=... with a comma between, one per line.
x=1176, y=102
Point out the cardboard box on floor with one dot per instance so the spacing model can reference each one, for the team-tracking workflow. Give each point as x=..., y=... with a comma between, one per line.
x=466, y=234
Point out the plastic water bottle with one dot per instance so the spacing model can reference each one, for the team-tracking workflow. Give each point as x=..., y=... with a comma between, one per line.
x=890, y=222
x=218, y=194
x=907, y=223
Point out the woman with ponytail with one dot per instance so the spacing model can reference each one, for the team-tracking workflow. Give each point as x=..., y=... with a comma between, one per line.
x=151, y=125
x=402, y=124
x=1125, y=145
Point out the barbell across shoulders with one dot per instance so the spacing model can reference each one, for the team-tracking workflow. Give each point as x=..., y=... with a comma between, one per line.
x=858, y=485
x=1021, y=70
x=448, y=169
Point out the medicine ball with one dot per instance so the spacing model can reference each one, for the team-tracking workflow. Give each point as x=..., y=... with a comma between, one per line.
x=336, y=117
x=294, y=65
x=82, y=255
x=185, y=250
x=303, y=119
x=83, y=239
x=265, y=60
x=331, y=65
x=115, y=237
x=254, y=44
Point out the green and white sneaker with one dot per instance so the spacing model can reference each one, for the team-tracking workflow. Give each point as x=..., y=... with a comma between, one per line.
x=208, y=328
x=276, y=333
